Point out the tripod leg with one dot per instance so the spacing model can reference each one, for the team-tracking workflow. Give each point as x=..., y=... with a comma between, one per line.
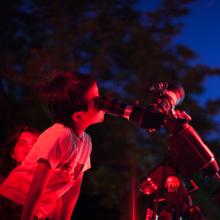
x=149, y=214
x=195, y=213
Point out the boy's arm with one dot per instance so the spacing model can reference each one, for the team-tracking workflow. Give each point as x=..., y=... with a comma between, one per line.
x=41, y=176
x=69, y=199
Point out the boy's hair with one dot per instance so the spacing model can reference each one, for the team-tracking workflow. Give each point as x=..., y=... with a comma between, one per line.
x=65, y=94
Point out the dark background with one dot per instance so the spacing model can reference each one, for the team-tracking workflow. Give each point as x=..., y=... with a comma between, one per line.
x=127, y=49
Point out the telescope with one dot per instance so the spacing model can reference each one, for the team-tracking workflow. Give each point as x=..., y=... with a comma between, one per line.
x=166, y=97
x=187, y=153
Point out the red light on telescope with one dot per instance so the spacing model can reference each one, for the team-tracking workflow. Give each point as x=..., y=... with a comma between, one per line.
x=172, y=183
x=148, y=186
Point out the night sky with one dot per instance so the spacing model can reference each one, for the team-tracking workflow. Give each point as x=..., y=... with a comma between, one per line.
x=201, y=33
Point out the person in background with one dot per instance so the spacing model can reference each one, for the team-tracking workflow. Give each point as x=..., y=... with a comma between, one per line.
x=47, y=183
x=17, y=145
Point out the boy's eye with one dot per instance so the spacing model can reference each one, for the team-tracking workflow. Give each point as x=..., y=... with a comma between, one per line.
x=92, y=100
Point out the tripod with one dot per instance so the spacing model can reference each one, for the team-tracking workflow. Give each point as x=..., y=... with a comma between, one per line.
x=172, y=200
x=187, y=154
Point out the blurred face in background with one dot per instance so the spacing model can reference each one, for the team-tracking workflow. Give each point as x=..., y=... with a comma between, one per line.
x=23, y=146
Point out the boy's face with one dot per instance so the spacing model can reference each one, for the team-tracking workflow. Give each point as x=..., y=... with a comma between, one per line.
x=93, y=115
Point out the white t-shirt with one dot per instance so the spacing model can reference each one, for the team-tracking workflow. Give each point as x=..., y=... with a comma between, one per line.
x=67, y=154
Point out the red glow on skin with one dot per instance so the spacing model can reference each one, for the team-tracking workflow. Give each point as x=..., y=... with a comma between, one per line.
x=23, y=146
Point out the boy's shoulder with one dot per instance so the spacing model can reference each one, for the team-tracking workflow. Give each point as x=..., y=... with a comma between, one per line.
x=56, y=130
x=57, y=127
x=59, y=132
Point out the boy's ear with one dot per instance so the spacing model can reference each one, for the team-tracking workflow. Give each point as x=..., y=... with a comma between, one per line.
x=77, y=116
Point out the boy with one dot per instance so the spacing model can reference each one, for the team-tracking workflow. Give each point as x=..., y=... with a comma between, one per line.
x=48, y=182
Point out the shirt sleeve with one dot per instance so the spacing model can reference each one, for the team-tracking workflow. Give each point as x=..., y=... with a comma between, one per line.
x=52, y=147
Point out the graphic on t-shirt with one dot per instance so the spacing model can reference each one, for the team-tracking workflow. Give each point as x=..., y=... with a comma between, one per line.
x=77, y=170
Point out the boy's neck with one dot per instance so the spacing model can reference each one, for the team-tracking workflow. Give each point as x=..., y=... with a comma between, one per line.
x=78, y=131
x=78, y=134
